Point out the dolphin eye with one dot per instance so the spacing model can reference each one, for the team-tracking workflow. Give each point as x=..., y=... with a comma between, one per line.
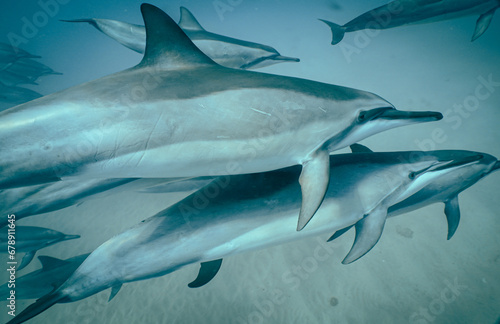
x=412, y=175
x=362, y=116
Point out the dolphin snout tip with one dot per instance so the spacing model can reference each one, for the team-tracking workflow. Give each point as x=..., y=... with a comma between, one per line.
x=71, y=237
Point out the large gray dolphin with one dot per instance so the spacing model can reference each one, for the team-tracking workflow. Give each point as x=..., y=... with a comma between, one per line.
x=30, y=239
x=405, y=12
x=40, y=282
x=226, y=51
x=179, y=114
x=248, y=212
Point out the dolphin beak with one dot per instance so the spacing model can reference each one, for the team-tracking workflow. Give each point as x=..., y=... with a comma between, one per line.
x=416, y=116
x=285, y=58
x=496, y=166
x=71, y=237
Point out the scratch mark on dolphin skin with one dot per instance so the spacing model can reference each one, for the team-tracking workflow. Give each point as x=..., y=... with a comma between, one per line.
x=321, y=108
x=260, y=111
x=146, y=146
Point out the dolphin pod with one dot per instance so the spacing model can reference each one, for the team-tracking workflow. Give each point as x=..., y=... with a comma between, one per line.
x=406, y=12
x=258, y=210
x=226, y=51
x=144, y=122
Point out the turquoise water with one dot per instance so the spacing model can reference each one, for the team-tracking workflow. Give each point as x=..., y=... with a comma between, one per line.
x=423, y=67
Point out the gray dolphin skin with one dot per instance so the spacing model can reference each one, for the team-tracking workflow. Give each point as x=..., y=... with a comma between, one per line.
x=226, y=51
x=406, y=12
x=145, y=122
x=49, y=197
x=30, y=239
x=251, y=212
x=42, y=281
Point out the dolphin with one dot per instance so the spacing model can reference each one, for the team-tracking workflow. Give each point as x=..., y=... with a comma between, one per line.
x=406, y=12
x=49, y=197
x=30, y=68
x=9, y=54
x=442, y=190
x=247, y=212
x=226, y=51
x=42, y=281
x=13, y=96
x=179, y=114
x=30, y=239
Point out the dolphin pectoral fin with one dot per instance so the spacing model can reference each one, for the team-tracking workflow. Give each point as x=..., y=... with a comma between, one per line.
x=26, y=259
x=452, y=212
x=482, y=24
x=339, y=233
x=313, y=180
x=358, y=148
x=338, y=31
x=368, y=232
x=207, y=272
x=114, y=291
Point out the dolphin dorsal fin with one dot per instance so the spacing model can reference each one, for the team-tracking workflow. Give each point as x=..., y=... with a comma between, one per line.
x=167, y=46
x=50, y=262
x=358, y=148
x=188, y=21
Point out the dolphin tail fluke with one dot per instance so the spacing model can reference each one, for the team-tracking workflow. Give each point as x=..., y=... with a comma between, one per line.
x=313, y=180
x=26, y=259
x=482, y=24
x=368, y=232
x=452, y=212
x=36, y=308
x=337, y=31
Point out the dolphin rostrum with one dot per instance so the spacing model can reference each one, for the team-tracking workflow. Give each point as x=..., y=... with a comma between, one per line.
x=250, y=212
x=179, y=114
x=30, y=239
x=405, y=12
x=226, y=51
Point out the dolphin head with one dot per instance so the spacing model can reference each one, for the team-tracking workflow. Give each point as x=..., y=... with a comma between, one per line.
x=441, y=171
x=450, y=184
x=374, y=115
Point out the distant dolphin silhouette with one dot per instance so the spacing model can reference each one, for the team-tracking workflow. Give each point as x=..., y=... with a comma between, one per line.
x=30, y=239
x=405, y=12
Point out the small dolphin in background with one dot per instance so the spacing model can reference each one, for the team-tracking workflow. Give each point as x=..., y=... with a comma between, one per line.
x=30, y=68
x=250, y=212
x=30, y=239
x=13, y=96
x=252, y=122
x=405, y=12
x=226, y=51
x=40, y=282
x=9, y=54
